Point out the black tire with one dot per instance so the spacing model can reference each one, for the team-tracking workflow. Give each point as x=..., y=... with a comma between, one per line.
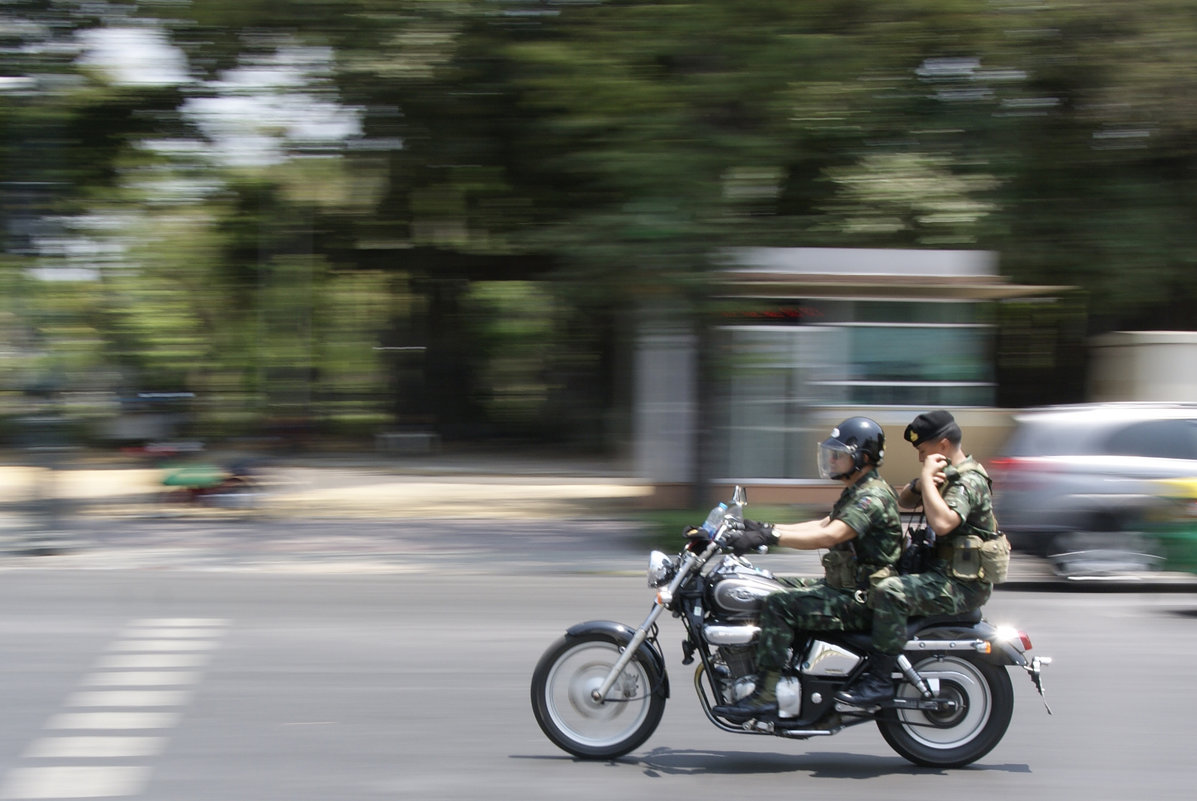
x=985, y=704
x=561, y=697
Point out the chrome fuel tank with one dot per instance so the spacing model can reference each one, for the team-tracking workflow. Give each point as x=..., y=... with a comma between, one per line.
x=737, y=590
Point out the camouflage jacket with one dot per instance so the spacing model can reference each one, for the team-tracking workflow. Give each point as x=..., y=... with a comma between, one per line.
x=870, y=508
x=966, y=491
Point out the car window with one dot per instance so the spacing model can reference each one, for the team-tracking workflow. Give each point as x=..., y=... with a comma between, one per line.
x=1050, y=438
x=1159, y=439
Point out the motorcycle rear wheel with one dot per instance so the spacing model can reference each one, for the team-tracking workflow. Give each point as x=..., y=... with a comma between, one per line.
x=951, y=739
x=570, y=670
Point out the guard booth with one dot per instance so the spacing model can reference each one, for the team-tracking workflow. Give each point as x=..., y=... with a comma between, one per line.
x=804, y=337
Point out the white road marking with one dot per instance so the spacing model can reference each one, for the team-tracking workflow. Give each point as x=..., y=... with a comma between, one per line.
x=113, y=720
x=141, y=678
x=151, y=653
x=102, y=747
x=180, y=622
x=130, y=698
x=75, y=781
x=175, y=633
x=162, y=645
x=152, y=660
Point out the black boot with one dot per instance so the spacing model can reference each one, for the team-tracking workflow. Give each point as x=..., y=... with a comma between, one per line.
x=761, y=702
x=874, y=685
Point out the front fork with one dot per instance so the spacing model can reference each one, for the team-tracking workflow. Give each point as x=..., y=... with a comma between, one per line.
x=599, y=695
x=664, y=601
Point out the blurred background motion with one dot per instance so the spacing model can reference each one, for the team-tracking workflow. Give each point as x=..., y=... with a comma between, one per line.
x=684, y=238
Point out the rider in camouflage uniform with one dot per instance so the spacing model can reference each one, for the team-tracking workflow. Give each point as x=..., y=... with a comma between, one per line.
x=953, y=490
x=864, y=535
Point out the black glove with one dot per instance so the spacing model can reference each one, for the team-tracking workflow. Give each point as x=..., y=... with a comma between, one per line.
x=751, y=538
x=753, y=525
x=697, y=538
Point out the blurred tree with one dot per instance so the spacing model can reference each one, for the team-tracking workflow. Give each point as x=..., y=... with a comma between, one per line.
x=1104, y=165
x=243, y=169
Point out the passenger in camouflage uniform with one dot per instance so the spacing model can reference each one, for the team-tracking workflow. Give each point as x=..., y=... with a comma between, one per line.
x=954, y=491
x=864, y=535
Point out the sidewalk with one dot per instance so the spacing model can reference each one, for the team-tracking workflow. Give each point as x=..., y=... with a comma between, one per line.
x=586, y=510
x=351, y=486
x=330, y=513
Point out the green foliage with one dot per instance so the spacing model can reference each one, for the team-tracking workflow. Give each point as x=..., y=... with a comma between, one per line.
x=242, y=245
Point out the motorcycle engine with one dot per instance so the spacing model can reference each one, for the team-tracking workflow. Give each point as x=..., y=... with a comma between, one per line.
x=736, y=590
x=740, y=660
x=737, y=670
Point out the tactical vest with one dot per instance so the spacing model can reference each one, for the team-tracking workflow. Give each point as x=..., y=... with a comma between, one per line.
x=975, y=550
x=849, y=565
x=980, y=522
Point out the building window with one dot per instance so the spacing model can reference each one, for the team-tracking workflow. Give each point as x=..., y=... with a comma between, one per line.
x=780, y=363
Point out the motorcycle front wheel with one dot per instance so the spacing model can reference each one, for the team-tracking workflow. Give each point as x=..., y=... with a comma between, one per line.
x=562, y=686
x=984, y=704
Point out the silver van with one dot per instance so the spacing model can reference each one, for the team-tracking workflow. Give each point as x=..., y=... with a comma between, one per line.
x=1078, y=484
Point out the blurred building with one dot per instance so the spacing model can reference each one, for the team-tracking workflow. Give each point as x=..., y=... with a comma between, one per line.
x=803, y=338
x=1144, y=366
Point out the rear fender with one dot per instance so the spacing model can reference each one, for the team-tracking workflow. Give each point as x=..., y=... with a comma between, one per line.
x=621, y=635
x=1001, y=650
x=1005, y=650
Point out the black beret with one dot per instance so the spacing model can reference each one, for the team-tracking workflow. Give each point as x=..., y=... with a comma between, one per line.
x=930, y=426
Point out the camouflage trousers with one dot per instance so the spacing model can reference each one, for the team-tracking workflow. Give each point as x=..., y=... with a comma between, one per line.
x=898, y=598
x=808, y=605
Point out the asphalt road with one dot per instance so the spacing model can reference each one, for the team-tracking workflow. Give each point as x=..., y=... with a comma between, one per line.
x=248, y=685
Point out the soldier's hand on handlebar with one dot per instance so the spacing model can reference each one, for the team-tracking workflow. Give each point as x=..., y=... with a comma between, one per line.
x=697, y=539
x=751, y=539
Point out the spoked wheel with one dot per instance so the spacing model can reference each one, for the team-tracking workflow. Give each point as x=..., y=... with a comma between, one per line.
x=562, y=687
x=983, y=700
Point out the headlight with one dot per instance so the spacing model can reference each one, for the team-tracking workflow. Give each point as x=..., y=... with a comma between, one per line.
x=660, y=569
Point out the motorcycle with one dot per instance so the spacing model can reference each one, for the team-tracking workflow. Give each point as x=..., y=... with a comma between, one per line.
x=599, y=691
x=230, y=485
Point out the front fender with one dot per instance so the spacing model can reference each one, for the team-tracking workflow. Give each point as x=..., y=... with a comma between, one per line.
x=621, y=635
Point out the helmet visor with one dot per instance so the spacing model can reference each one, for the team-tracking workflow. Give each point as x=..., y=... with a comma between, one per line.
x=836, y=460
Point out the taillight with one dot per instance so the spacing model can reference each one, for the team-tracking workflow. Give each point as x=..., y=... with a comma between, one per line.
x=1010, y=634
x=1013, y=471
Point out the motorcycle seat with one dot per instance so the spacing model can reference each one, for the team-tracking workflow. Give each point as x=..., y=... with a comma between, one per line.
x=864, y=641
x=917, y=624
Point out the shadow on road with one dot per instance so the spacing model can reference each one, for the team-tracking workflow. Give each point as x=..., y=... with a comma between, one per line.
x=826, y=765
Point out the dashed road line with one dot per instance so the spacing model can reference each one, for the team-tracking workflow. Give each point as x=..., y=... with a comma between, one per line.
x=151, y=654
x=142, y=678
x=99, y=747
x=129, y=698
x=142, y=661
x=173, y=633
x=162, y=645
x=113, y=720
x=76, y=781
